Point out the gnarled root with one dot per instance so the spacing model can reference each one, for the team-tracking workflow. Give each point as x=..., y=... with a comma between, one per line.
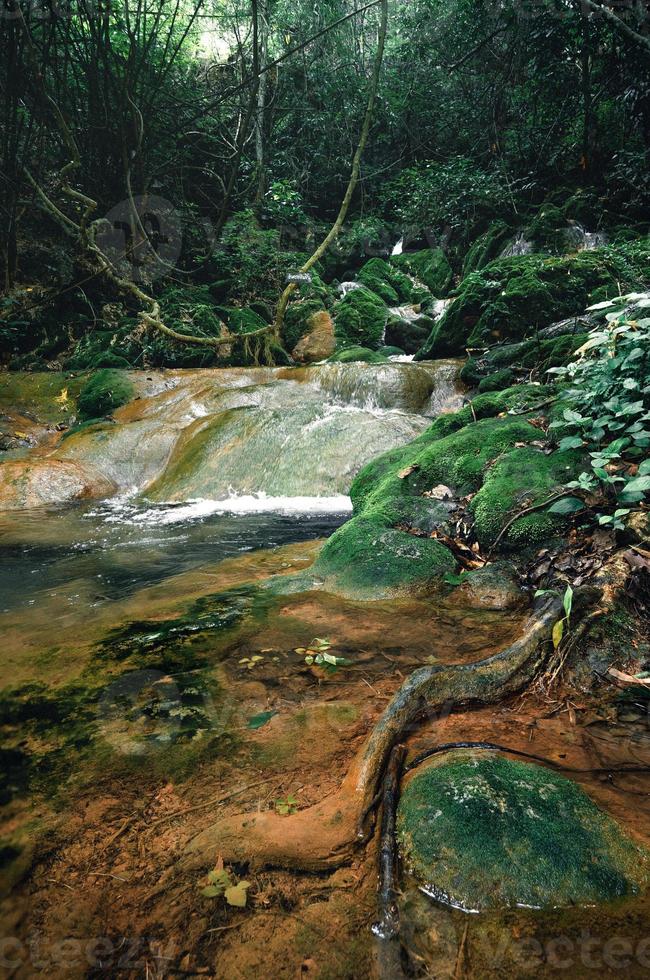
x=325, y=835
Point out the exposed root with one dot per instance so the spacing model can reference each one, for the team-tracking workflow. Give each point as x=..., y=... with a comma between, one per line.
x=326, y=835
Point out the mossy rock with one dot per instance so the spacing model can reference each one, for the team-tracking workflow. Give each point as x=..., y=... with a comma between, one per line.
x=390, y=283
x=513, y=297
x=481, y=831
x=530, y=357
x=373, y=555
x=486, y=248
x=297, y=320
x=365, y=560
x=497, y=381
x=524, y=477
x=429, y=266
x=360, y=319
x=103, y=393
x=351, y=354
x=408, y=334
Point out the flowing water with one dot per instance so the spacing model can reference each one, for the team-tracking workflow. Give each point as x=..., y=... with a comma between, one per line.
x=149, y=665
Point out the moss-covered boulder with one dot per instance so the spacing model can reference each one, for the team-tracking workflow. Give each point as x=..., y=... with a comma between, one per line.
x=103, y=393
x=429, y=266
x=481, y=831
x=486, y=247
x=409, y=333
x=351, y=354
x=393, y=285
x=513, y=297
x=490, y=457
x=360, y=319
x=497, y=367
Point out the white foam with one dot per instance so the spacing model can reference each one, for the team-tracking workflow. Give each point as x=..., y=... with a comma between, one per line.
x=254, y=503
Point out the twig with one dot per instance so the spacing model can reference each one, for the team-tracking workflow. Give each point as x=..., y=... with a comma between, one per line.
x=202, y=806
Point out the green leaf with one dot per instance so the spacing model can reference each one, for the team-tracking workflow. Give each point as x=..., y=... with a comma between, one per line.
x=644, y=468
x=570, y=442
x=212, y=891
x=568, y=601
x=237, y=895
x=640, y=484
x=567, y=505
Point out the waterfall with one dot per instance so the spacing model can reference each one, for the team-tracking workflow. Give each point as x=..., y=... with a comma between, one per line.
x=518, y=246
x=398, y=248
x=258, y=433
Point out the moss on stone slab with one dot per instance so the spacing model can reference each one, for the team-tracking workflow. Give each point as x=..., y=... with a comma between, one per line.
x=526, y=476
x=390, y=283
x=483, y=831
x=351, y=354
x=373, y=554
x=486, y=247
x=512, y=297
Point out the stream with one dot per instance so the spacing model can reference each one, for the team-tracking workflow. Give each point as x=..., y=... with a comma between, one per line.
x=156, y=672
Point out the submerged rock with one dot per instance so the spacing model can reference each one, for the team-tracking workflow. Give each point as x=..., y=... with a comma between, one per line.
x=482, y=831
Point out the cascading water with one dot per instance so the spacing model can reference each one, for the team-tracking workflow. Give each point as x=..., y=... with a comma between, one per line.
x=241, y=434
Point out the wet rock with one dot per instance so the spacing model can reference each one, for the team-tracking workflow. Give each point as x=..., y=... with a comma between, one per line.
x=493, y=587
x=49, y=481
x=481, y=831
x=319, y=343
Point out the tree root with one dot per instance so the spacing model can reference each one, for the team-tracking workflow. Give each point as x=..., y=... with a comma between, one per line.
x=326, y=835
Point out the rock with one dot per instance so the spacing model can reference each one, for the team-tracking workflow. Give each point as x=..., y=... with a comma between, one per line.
x=481, y=831
x=319, y=343
x=43, y=482
x=493, y=587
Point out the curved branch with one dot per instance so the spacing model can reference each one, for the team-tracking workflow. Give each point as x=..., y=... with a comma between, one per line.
x=354, y=175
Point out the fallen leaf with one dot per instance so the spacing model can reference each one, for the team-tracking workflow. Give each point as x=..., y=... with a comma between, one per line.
x=237, y=895
x=407, y=471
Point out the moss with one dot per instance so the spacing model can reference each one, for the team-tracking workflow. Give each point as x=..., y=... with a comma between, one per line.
x=512, y=297
x=497, y=381
x=530, y=358
x=373, y=554
x=430, y=266
x=103, y=393
x=360, y=319
x=486, y=248
x=392, y=285
x=367, y=560
x=525, y=476
x=351, y=354
x=484, y=831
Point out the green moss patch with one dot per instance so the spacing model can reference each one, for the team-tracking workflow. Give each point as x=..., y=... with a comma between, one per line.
x=483, y=831
x=388, y=282
x=429, y=266
x=373, y=554
x=360, y=319
x=103, y=393
x=512, y=297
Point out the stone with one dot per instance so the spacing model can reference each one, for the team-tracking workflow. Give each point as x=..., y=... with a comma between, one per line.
x=479, y=831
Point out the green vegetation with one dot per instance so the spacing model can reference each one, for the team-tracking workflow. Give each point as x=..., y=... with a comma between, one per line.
x=482, y=831
x=606, y=408
x=104, y=391
x=513, y=297
x=360, y=319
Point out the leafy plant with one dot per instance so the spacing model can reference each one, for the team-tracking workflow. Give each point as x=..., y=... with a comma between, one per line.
x=318, y=653
x=607, y=409
x=222, y=883
x=286, y=807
